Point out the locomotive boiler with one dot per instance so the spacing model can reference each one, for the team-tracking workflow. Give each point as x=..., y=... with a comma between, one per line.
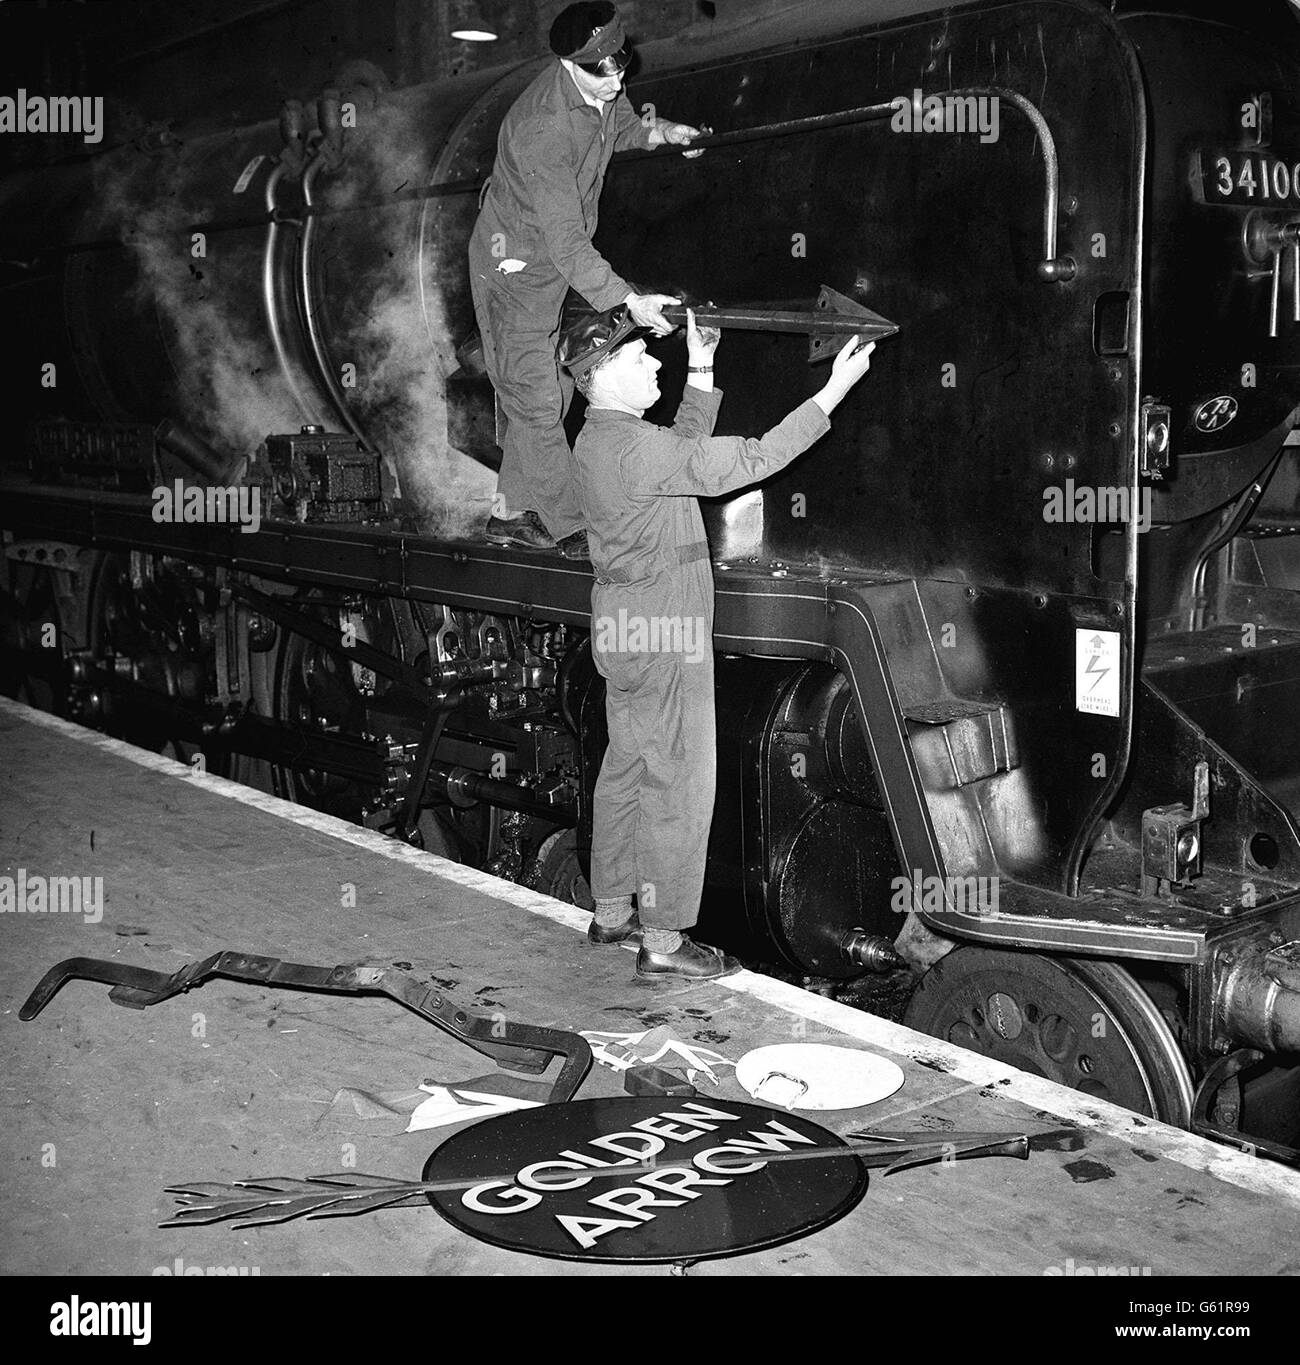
x=1008, y=665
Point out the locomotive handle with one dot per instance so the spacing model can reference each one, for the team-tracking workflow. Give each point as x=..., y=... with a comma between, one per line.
x=1274, y=289
x=1295, y=279
x=1277, y=241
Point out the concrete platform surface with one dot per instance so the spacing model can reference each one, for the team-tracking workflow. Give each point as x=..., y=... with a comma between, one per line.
x=104, y=1107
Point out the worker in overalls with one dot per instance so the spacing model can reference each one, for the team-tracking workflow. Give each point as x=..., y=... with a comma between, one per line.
x=532, y=241
x=652, y=619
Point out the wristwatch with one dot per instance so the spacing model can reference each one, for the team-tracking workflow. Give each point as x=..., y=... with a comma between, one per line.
x=699, y=369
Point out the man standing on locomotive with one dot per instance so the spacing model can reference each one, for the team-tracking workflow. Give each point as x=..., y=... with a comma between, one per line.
x=532, y=241
x=652, y=619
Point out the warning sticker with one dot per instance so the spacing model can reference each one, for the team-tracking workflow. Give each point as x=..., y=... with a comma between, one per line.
x=1096, y=672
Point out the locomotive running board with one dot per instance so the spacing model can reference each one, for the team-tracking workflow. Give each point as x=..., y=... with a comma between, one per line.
x=518, y=1047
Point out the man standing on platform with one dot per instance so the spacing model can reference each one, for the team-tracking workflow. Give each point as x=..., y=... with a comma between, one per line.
x=532, y=242
x=652, y=620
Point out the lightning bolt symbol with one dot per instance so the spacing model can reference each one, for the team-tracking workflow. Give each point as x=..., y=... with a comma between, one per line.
x=1097, y=673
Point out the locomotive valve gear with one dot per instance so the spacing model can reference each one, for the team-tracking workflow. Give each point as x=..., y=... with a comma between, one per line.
x=533, y=241
x=652, y=613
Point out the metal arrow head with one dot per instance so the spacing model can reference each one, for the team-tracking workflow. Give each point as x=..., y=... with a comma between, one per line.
x=853, y=318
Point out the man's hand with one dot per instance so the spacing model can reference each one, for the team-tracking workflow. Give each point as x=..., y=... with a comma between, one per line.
x=701, y=342
x=647, y=311
x=680, y=134
x=675, y=134
x=853, y=361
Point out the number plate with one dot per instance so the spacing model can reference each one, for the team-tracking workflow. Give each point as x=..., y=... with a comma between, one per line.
x=1257, y=179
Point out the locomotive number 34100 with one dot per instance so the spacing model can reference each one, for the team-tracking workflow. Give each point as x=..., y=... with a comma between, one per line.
x=1249, y=178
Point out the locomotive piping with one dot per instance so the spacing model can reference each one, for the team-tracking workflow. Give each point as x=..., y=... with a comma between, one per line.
x=307, y=302
x=185, y=445
x=269, y=297
x=813, y=123
x=1219, y=536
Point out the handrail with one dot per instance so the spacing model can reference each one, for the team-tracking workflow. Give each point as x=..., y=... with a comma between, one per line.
x=1051, y=267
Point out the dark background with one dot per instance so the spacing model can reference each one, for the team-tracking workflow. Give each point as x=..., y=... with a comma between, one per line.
x=141, y=55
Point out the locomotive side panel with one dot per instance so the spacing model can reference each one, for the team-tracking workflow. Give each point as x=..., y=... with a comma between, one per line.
x=939, y=473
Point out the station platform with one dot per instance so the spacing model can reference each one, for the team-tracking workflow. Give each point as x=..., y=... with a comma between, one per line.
x=105, y=1107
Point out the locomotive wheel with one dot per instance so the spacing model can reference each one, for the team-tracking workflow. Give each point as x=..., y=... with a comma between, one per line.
x=32, y=608
x=316, y=689
x=558, y=871
x=1082, y=1023
x=158, y=628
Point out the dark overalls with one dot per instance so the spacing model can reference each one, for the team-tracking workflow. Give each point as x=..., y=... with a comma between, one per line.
x=532, y=241
x=652, y=637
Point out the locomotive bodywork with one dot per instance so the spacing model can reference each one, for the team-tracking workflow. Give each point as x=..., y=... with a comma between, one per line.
x=1008, y=663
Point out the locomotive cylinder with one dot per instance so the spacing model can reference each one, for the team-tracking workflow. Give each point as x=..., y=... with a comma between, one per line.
x=1260, y=998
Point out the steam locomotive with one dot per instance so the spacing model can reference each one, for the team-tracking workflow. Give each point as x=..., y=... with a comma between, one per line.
x=1008, y=665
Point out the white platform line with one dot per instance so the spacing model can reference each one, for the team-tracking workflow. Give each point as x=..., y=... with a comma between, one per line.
x=1199, y=1154
x=316, y=820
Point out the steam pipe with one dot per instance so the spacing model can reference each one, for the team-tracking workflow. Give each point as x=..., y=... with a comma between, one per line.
x=291, y=122
x=200, y=456
x=1219, y=536
x=328, y=154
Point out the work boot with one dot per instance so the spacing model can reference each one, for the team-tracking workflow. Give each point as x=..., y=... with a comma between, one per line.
x=627, y=932
x=574, y=546
x=526, y=530
x=691, y=962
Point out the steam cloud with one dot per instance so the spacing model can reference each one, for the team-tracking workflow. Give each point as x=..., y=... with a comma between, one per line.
x=403, y=344
x=226, y=387
x=386, y=316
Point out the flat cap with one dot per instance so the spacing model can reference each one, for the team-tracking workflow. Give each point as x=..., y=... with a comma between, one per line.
x=590, y=32
x=587, y=337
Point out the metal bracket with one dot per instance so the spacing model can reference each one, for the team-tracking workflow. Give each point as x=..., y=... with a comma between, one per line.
x=1153, y=459
x=1221, y=1073
x=518, y=1047
x=1171, y=836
